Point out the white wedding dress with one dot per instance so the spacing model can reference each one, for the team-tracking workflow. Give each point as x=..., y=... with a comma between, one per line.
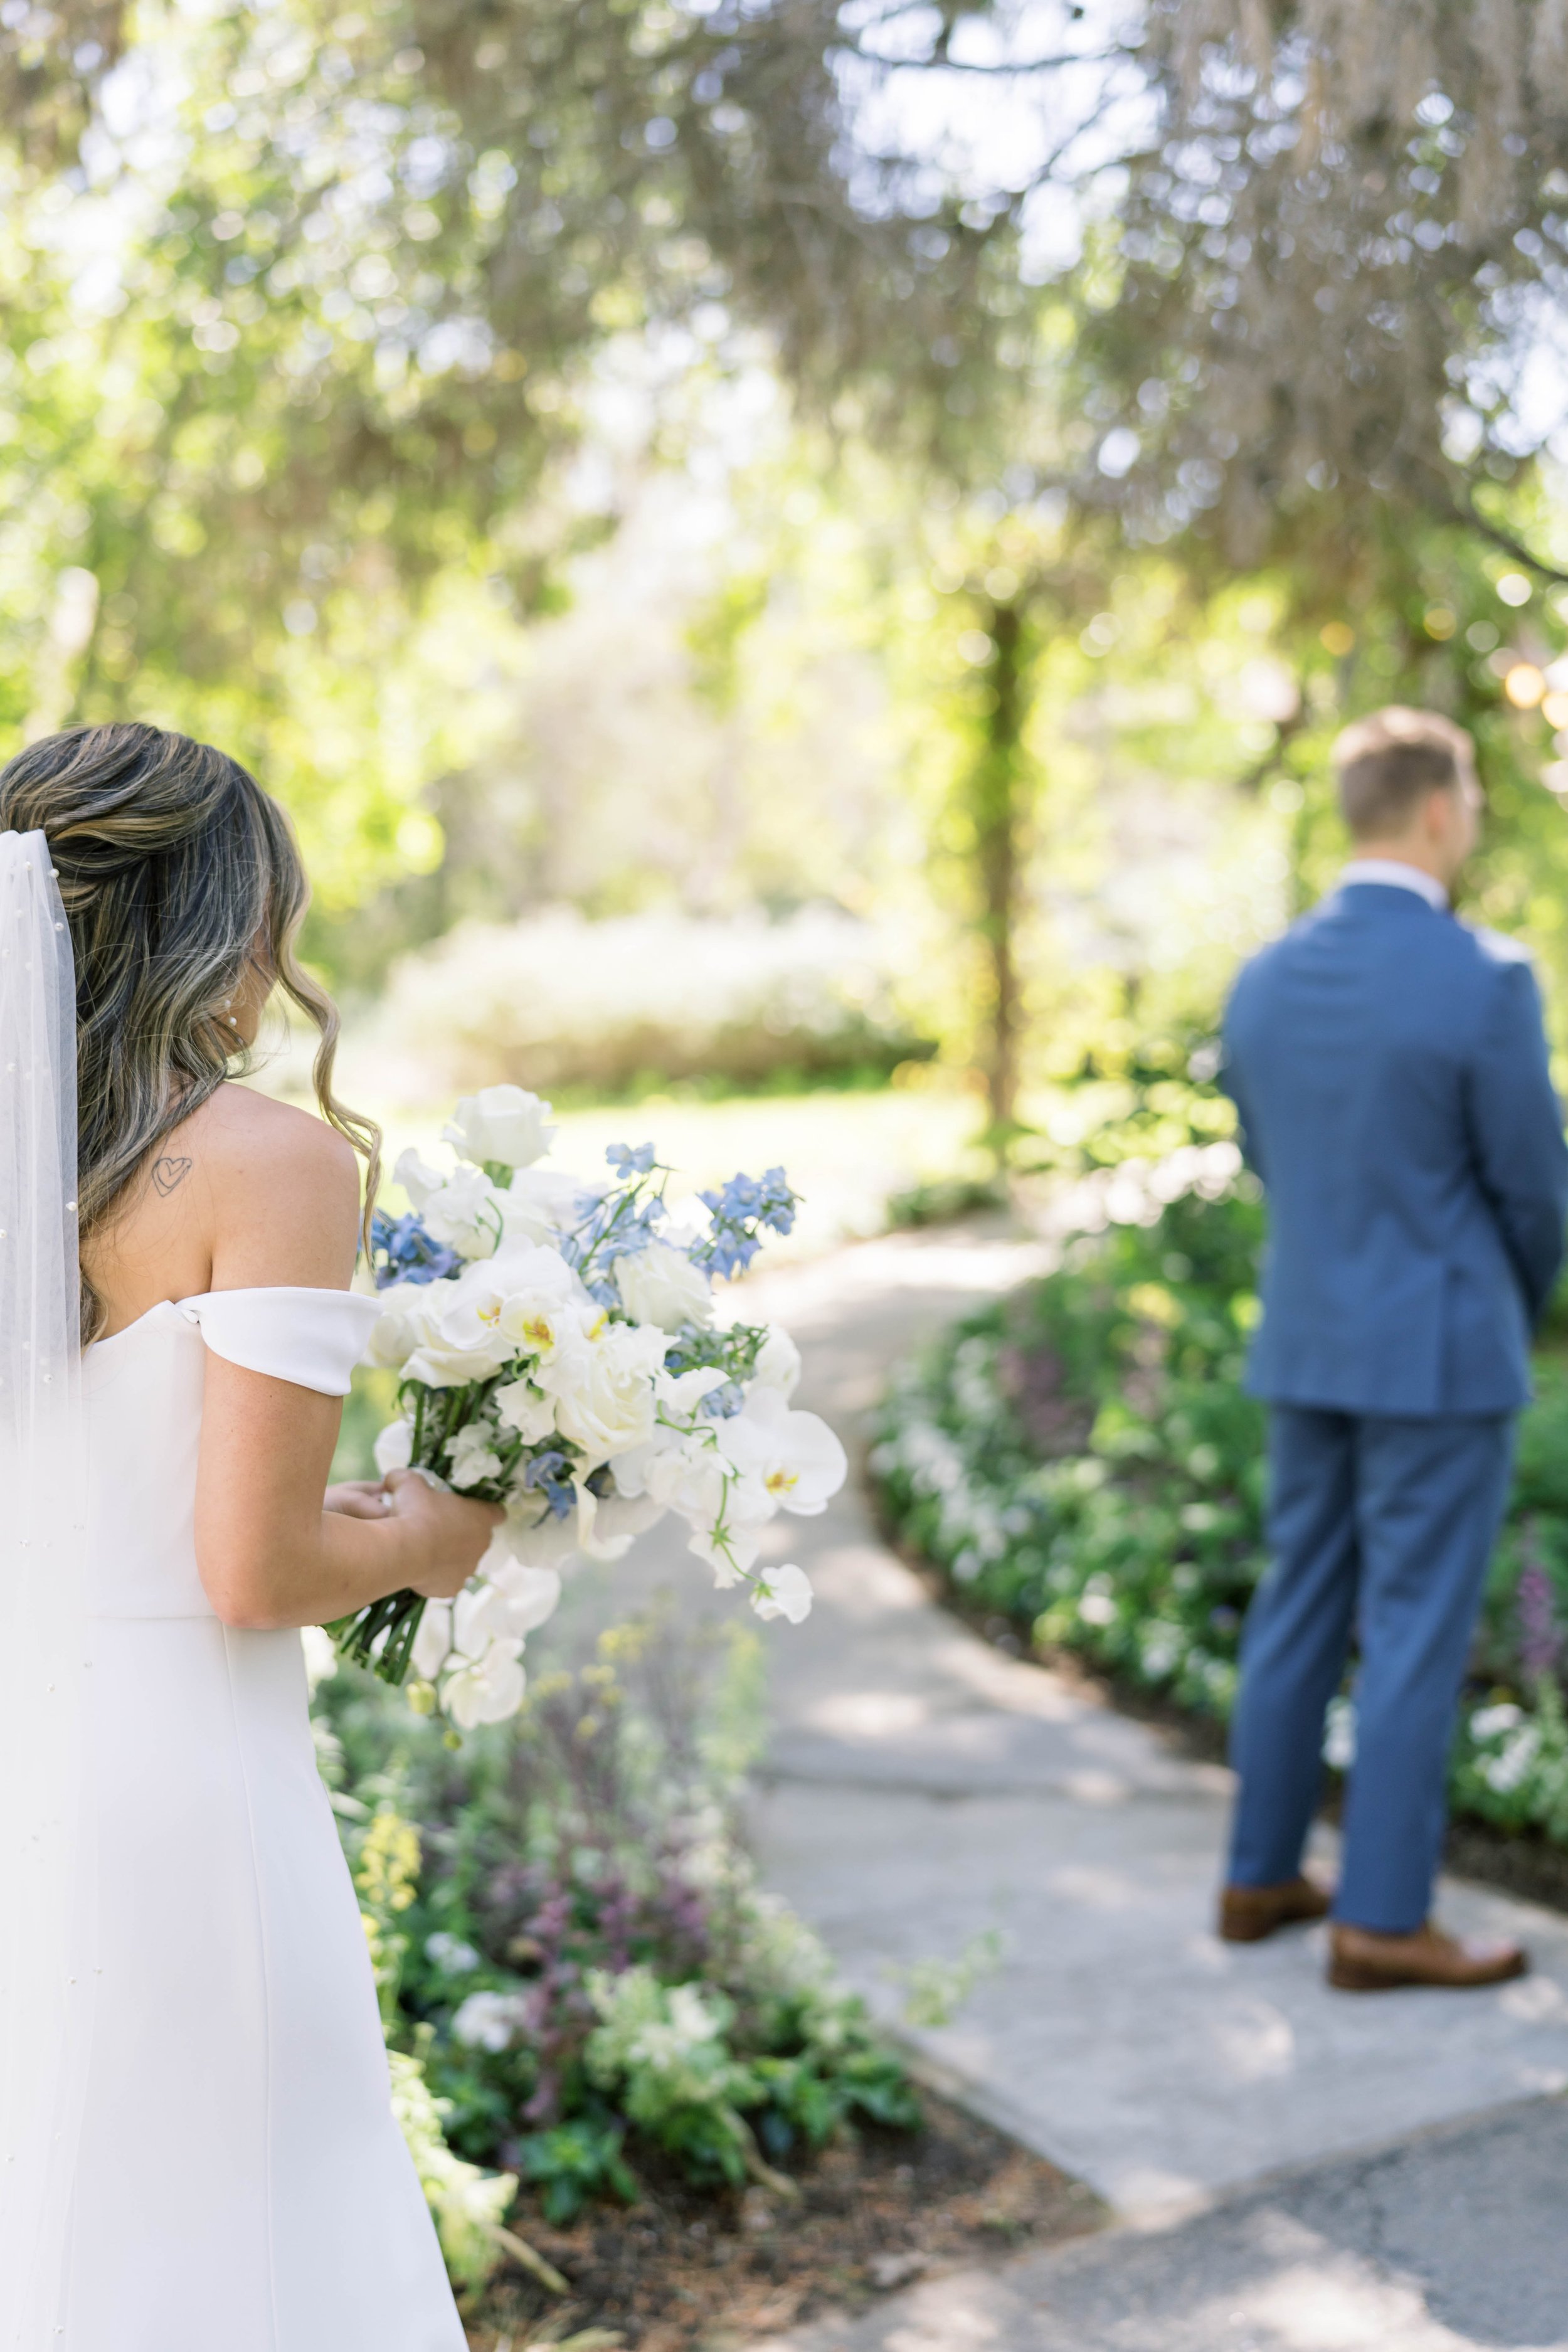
x=240, y=2184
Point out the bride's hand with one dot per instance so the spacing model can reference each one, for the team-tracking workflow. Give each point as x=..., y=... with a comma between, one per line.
x=357, y=1498
x=447, y=1535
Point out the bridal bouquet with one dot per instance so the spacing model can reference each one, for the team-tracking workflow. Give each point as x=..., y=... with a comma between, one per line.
x=560, y=1352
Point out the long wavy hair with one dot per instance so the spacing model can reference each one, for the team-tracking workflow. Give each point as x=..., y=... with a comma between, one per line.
x=179, y=874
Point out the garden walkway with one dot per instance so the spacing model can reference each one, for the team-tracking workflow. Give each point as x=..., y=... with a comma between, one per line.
x=920, y=1790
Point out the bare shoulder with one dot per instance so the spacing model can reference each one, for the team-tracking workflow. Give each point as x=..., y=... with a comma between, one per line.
x=284, y=1189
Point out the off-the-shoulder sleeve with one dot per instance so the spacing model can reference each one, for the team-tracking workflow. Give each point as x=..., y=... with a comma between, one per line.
x=313, y=1338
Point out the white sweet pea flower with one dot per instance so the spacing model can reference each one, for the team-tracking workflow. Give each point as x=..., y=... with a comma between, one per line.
x=680, y=1393
x=783, y=1592
x=794, y=1457
x=417, y=1178
x=394, y=1446
x=405, y=1320
x=504, y=1123
x=464, y=1214
x=540, y=1204
x=433, y=1642
x=730, y=1547
x=529, y=1597
x=660, y=1285
x=603, y=1387
x=487, y=1690
x=472, y=1456
x=320, y=1655
x=778, y=1362
x=520, y=1406
x=536, y=1537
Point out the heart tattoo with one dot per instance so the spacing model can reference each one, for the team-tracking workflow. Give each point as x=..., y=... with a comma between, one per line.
x=169, y=1174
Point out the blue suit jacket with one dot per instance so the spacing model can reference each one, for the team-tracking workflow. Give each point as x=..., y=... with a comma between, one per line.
x=1389, y=1067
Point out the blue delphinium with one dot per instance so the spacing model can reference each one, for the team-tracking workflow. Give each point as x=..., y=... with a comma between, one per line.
x=742, y=1211
x=550, y=1474
x=402, y=1251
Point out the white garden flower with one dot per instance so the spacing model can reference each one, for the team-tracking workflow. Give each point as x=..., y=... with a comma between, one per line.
x=491, y=2020
x=794, y=1457
x=1490, y=1722
x=504, y=1123
x=394, y=1446
x=729, y=1545
x=450, y=1953
x=463, y=1213
x=603, y=1387
x=778, y=1362
x=660, y=1286
x=520, y=1406
x=472, y=1456
x=783, y=1592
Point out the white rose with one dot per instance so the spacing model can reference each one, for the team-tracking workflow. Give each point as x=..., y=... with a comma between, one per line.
x=520, y=1406
x=783, y=1592
x=464, y=1214
x=504, y=1123
x=660, y=1286
x=603, y=1387
x=472, y=1456
x=394, y=1446
x=778, y=1362
x=793, y=1457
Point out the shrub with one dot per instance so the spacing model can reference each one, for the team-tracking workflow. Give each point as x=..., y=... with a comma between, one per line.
x=558, y=1002
x=581, y=1958
x=1081, y=1457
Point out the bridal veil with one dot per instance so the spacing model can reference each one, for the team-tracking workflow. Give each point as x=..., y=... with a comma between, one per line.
x=46, y=1925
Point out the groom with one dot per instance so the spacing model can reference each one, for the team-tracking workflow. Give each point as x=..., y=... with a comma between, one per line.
x=1390, y=1072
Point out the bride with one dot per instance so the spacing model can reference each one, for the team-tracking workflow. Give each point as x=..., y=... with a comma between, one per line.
x=196, y=2144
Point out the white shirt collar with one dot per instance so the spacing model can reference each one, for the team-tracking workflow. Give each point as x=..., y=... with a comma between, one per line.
x=1396, y=875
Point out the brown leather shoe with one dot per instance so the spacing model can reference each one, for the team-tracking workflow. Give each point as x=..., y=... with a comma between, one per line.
x=1248, y=1913
x=1359, y=1961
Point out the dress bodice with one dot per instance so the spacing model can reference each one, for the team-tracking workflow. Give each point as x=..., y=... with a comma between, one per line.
x=143, y=1392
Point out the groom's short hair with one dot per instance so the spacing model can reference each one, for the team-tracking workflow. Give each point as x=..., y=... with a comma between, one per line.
x=1388, y=762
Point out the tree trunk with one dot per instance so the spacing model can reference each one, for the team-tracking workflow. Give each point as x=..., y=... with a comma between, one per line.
x=997, y=796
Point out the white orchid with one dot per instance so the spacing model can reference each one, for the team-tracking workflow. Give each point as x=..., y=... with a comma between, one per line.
x=661, y=1286
x=489, y=1688
x=504, y=1124
x=784, y=1591
x=794, y=1457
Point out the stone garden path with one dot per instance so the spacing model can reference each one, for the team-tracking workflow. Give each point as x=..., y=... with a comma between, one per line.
x=1293, y=2170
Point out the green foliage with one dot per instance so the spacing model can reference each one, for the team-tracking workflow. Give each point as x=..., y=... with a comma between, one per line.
x=1081, y=1457
x=581, y=1958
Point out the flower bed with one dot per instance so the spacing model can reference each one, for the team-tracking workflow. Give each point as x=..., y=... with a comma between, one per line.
x=576, y=1964
x=1081, y=1458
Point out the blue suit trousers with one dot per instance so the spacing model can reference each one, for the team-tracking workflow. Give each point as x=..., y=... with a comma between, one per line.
x=1381, y=1529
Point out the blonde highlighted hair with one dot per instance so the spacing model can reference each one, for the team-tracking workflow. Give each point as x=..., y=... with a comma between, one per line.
x=178, y=875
